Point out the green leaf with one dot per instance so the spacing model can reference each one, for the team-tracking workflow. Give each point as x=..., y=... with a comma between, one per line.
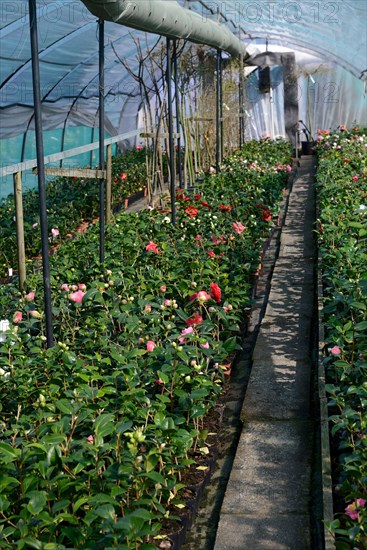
x=104, y=425
x=106, y=511
x=37, y=501
x=361, y=327
x=8, y=453
x=65, y=406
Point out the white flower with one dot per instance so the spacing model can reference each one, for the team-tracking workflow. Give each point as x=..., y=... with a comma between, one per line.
x=166, y=219
x=362, y=207
x=4, y=326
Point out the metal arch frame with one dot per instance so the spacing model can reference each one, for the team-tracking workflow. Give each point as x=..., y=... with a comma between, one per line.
x=17, y=23
x=75, y=100
x=304, y=47
x=46, y=51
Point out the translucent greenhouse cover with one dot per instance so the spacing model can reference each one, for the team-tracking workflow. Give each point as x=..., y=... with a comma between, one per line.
x=333, y=34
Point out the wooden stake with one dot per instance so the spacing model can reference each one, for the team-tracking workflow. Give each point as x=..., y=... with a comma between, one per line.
x=108, y=183
x=18, y=200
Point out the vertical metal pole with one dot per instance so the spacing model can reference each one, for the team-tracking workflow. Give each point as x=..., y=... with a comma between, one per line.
x=109, y=183
x=221, y=108
x=170, y=131
x=217, y=113
x=241, y=96
x=41, y=170
x=101, y=141
x=18, y=200
x=178, y=125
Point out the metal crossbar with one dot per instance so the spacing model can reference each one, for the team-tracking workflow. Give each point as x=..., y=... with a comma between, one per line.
x=29, y=164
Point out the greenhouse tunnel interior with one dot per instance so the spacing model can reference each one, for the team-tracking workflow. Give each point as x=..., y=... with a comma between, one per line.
x=329, y=41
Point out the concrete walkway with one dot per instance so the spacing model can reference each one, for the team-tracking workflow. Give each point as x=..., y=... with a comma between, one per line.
x=267, y=504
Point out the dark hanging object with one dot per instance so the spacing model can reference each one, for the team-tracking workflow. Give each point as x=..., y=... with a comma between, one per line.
x=264, y=80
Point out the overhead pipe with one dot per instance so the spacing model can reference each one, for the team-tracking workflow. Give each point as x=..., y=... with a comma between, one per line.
x=168, y=18
x=41, y=171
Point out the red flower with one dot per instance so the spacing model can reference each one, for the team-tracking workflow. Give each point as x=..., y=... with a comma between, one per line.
x=225, y=207
x=206, y=205
x=211, y=254
x=197, y=196
x=215, y=292
x=180, y=195
x=152, y=247
x=192, y=211
x=196, y=319
x=266, y=216
x=123, y=176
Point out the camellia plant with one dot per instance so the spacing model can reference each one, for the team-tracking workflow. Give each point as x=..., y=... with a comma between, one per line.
x=66, y=216
x=342, y=232
x=97, y=431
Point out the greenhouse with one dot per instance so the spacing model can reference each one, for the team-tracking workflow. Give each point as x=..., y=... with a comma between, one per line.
x=183, y=295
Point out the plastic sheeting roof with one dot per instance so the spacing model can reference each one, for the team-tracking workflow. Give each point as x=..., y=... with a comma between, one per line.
x=335, y=31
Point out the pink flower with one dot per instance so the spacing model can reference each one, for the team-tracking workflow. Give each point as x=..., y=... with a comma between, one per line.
x=35, y=314
x=163, y=288
x=74, y=287
x=202, y=296
x=82, y=286
x=351, y=511
x=355, y=178
x=238, y=227
x=123, y=176
x=205, y=346
x=152, y=247
x=30, y=296
x=65, y=287
x=55, y=232
x=212, y=170
x=211, y=254
x=148, y=308
x=17, y=317
x=77, y=297
x=335, y=350
x=150, y=345
x=185, y=332
x=34, y=225
x=289, y=168
x=139, y=147
x=361, y=502
x=90, y=439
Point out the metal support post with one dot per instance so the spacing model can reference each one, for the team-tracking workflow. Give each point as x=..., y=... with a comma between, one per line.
x=178, y=125
x=19, y=220
x=241, y=97
x=101, y=142
x=41, y=170
x=221, y=108
x=170, y=131
x=217, y=112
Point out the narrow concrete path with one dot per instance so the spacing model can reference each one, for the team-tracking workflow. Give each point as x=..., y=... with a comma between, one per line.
x=267, y=504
